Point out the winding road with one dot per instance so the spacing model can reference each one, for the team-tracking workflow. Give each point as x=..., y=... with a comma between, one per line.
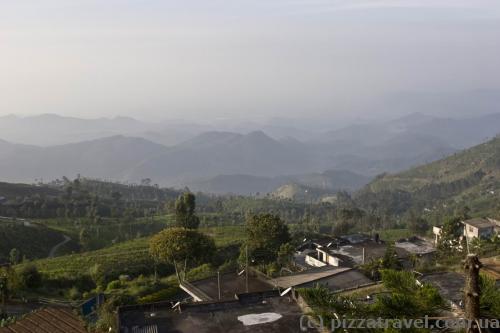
x=57, y=246
x=29, y=224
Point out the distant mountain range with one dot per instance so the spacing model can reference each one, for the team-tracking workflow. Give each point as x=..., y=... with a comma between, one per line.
x=52, y=129
x=327, y=182
x=225, y=161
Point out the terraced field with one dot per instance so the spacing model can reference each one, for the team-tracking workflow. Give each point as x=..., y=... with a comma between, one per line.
x=129, y=257
x=33, y=241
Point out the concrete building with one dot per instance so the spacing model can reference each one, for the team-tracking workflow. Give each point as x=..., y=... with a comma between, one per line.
x=225, y=286
x=322, y=257
x=474, y=228
x=256, y=312
x=231, y=286
x=417, y=246
x=345, y=251
x=478, y=228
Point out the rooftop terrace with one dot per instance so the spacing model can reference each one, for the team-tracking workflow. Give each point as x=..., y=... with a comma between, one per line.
x=256, y=313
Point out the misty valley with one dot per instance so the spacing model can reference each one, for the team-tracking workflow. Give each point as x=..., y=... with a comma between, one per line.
x=260, y=166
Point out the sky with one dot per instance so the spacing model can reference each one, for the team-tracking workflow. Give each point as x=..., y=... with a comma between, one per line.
x=199, y=59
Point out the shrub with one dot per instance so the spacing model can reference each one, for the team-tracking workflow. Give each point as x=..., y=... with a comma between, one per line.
x=162, y=295
x=113, y=285
x=74, y=294
x=200, y=272
x=29, y=277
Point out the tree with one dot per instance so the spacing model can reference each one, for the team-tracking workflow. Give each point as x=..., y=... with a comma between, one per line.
x=342, y=227
x=9, y=284
x=406, y=298
x=14, y=256
x=451, y=232
x=266, y=233
x=390, y=259
x=4, y=290
x=490, y=296
x=29, y=277
x=463, y=213
x=115, y=210
x=99, y=275
x=85, y=238
x=285, y=254
x=176, y=245
x=185, y=216
x=417, y=224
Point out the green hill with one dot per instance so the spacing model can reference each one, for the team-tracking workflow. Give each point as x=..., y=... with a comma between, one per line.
x=32, y=241
x=12, y=190
x=470, y=177
x=130, y=257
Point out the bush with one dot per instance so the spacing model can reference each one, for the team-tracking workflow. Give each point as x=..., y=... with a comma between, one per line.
x=113, y=285
x=99, y=275
x=162, y=295
x=228, y=266
x=74, y=294
x=200, y=272
x=29, y=277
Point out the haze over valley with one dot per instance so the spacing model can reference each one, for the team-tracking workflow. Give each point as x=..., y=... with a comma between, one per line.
x=212, y=159
x=249, y=165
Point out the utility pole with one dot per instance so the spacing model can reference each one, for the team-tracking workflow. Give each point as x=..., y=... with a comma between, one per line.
x=472, y=265
x=218, y=283
x=246, y=270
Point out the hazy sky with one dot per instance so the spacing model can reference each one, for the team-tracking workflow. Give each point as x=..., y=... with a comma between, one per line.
x=239, y=58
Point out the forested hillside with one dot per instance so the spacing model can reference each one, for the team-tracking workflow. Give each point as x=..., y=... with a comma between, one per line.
x=470, y=177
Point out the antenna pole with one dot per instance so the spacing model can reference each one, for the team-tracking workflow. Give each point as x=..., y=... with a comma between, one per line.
x=218, y=283
x=246, y=269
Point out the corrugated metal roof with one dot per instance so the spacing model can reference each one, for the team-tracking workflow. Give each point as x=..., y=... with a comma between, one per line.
x=48, y=320
x=310, y=276
x=145, y=329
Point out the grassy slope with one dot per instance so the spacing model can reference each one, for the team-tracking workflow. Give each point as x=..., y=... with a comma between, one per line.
x=129, y=257
x=32, y=242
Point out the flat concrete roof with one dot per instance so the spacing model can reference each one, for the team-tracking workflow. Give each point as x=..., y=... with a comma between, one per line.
x=231, y=284
x=417, y=246
x=449, y=284
x=491, y=266
x=373, y=251
x=480, y=223
x=256, y=315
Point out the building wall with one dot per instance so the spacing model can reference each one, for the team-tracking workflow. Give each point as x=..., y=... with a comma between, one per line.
x=437, y=233
x=314, y=262
x=328, y=258
x=473, y=232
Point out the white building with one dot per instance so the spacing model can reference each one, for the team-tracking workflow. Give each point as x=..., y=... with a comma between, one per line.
x=478, y=228
x=474, y=228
